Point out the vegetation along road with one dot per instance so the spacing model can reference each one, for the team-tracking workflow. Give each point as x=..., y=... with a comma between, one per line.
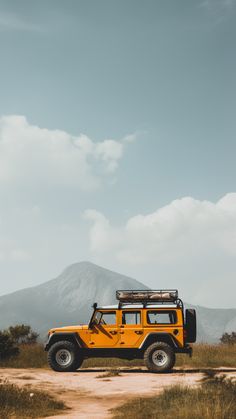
x=92, y=392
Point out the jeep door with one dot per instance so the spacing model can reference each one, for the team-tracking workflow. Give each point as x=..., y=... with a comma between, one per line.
x=105, y=333
x=131, y=330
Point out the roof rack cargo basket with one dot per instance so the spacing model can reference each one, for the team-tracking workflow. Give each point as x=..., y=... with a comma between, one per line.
x=147, y=296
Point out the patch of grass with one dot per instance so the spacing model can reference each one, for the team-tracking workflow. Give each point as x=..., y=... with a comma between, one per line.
x=209, y=356
x=215, y=399
x=30, y=356
x=26, y=403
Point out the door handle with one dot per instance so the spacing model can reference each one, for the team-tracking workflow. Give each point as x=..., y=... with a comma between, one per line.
x=113, y=332
x=138, y=332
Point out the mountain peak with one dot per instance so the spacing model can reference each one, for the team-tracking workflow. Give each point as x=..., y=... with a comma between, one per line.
x=87, y=268
x=80, y=266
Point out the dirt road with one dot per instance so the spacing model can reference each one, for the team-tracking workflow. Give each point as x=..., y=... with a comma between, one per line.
x=91, y=393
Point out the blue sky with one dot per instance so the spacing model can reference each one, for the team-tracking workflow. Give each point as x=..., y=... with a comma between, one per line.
x=158, y=79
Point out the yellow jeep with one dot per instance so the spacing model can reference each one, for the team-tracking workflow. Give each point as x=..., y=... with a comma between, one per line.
x=149, y=325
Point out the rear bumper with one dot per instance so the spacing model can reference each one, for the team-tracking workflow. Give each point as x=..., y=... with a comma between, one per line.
x=185, y=350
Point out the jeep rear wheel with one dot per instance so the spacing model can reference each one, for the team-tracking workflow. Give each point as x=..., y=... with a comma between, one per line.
x=63, y=356
x=159, y=357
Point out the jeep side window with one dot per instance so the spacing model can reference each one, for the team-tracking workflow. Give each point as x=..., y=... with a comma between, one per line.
x=108, y=318
x=131, y=317
x=161, y=317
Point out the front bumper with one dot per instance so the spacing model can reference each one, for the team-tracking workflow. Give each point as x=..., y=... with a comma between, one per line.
x=46, y=345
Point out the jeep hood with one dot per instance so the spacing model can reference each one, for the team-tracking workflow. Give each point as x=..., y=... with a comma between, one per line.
x=69, y=328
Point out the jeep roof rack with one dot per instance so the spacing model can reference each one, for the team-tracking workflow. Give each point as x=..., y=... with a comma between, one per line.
x=148, y=297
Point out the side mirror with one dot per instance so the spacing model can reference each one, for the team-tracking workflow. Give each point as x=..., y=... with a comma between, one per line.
x=91, y=323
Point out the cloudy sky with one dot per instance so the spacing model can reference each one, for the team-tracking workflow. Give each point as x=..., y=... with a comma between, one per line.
x=117, y=142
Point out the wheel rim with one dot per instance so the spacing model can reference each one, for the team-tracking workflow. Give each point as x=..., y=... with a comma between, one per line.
x=159, y=358
x=63, y=357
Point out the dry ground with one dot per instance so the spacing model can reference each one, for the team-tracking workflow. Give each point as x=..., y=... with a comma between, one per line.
x=91, y=393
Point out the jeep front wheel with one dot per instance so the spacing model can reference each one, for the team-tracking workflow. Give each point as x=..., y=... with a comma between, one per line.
x=63, y=356
x=159, y=357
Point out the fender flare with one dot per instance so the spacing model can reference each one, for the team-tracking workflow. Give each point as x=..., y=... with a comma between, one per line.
x=56, y=337
x=159, y=336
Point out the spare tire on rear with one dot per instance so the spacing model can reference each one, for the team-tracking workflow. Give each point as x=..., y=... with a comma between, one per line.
x=190, y=325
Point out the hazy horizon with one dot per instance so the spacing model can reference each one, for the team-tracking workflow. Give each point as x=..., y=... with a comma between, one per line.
x=119, y=273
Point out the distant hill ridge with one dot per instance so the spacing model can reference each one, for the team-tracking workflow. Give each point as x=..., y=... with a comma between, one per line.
x=67, y=299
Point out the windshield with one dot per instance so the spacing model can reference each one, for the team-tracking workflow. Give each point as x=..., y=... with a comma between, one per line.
x=97, y=317
x=104, y=318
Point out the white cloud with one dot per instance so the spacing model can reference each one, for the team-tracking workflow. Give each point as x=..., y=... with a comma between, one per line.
x=103, y=236
x=188, y=240
x=34, y=156
x=146, y=237
x=110, y=152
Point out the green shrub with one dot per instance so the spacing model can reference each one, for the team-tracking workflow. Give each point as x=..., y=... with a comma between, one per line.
x=8, y=347
x=228, y=338
x=13, y=339
x=22, y=333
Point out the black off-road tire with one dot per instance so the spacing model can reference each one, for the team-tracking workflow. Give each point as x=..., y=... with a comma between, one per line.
x=159, y=357
x=64, y=356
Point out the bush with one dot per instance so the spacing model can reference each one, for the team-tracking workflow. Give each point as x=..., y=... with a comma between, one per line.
x=15, y=336
x=229, y=339
x=8, y=346
x=22, y=333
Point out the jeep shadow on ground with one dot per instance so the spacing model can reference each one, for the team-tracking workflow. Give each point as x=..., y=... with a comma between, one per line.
x=127, y=370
